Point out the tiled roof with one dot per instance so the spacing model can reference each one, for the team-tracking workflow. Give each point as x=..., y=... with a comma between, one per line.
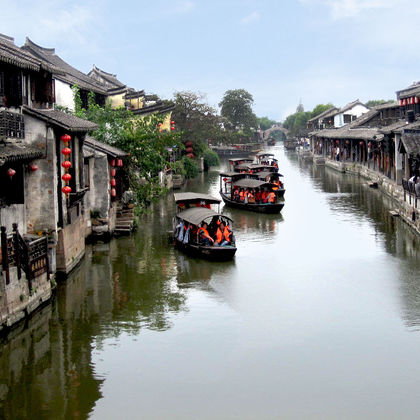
x=94, y=144
x=411, y=142
x=11, y=54
x=351, y=133
x=71, y=75
x=350, y=106
x=411, y=90
x=111, y=79
x=324, y=114
x=393, y=104
x=18, y=152
x=158, y=107
x=61, y=119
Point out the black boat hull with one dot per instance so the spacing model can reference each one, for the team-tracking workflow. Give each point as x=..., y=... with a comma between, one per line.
x=259, y=208
x=212, y=253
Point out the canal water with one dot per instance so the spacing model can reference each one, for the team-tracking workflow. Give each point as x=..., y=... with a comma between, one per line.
x=318, y=316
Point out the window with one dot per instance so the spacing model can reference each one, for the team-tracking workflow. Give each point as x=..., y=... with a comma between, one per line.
x=347, y=118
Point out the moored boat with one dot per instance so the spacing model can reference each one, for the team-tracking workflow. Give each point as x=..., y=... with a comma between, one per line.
x=194, y=221
x=243, y=192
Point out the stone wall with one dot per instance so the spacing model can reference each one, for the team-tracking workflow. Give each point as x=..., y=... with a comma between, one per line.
x=71, y=245
x=407, y=211
x=16, y=300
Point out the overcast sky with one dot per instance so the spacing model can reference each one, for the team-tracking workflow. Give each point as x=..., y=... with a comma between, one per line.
x=281, y=51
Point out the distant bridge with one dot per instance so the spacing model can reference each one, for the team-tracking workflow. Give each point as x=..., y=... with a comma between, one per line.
x=275, y=127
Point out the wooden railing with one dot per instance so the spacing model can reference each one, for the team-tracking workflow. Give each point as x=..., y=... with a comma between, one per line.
x=28, y=253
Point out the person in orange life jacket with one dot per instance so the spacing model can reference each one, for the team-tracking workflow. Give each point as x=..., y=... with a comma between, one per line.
x=258, y=195
x=251, y=196
x=204, y=236
x=271, y=197
x=264, y=196
x=223, y=235
x=242, y=195
x=219, y=234
x=236, y=194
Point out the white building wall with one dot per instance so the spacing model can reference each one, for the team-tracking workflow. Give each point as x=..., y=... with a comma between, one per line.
x=64, y=95
x=356, y=111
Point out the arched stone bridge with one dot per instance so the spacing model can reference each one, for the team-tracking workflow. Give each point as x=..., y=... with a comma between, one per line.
x=276, y=127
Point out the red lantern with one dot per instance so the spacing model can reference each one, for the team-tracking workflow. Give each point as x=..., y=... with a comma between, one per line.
x=160, y=124
x=190, y=155
x=66, y=164
x=113, y=192
x=404, y=102
x=172, y=122
x=189, y=149
x=361, y=143
x=224, y=179
x=188, y=143
x=33, y=168
x=119, y=163
x=112, y=163
x=113, y=182
x=113, y=172
x=66, y=151
x=66, y=177
x=11, y=173
x=416, y=100
x=65, y=138
x=66, y=190
x=401, y=102
x=172, y=128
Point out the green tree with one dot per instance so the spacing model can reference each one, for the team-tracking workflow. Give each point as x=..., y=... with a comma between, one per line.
x=236, y=107
x=147, y=146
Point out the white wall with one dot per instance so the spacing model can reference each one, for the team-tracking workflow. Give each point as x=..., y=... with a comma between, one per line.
x=356, y=111
x=64, y=94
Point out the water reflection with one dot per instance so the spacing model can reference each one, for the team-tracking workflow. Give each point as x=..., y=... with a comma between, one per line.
x=325, y=290
x=351, y=197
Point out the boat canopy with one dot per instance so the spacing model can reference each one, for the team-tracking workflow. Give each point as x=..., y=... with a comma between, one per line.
x=264, y=154
x=264, y=174
x=241, y=159
x=231, y=174
x=250, y=183
x=197, y=215
x=195, y=197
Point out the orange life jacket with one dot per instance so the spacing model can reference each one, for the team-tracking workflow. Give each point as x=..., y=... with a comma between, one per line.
x=242, y=196
x=227, y=233
x=219, y=235
x=205, y=233
x=271, y=198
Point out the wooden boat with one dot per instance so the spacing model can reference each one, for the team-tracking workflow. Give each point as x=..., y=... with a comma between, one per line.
x=252, y=168
x=236, y=150
x=267, y=159
x=273, y=178
x=233, y=162
x=193, y=209
x=229, y=181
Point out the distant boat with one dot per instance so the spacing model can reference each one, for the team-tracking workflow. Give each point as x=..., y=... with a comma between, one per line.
x=193, y=209
x=237, y=150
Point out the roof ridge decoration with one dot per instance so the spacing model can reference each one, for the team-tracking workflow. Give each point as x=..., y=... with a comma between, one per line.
x=30, y=43
x=103, y=71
